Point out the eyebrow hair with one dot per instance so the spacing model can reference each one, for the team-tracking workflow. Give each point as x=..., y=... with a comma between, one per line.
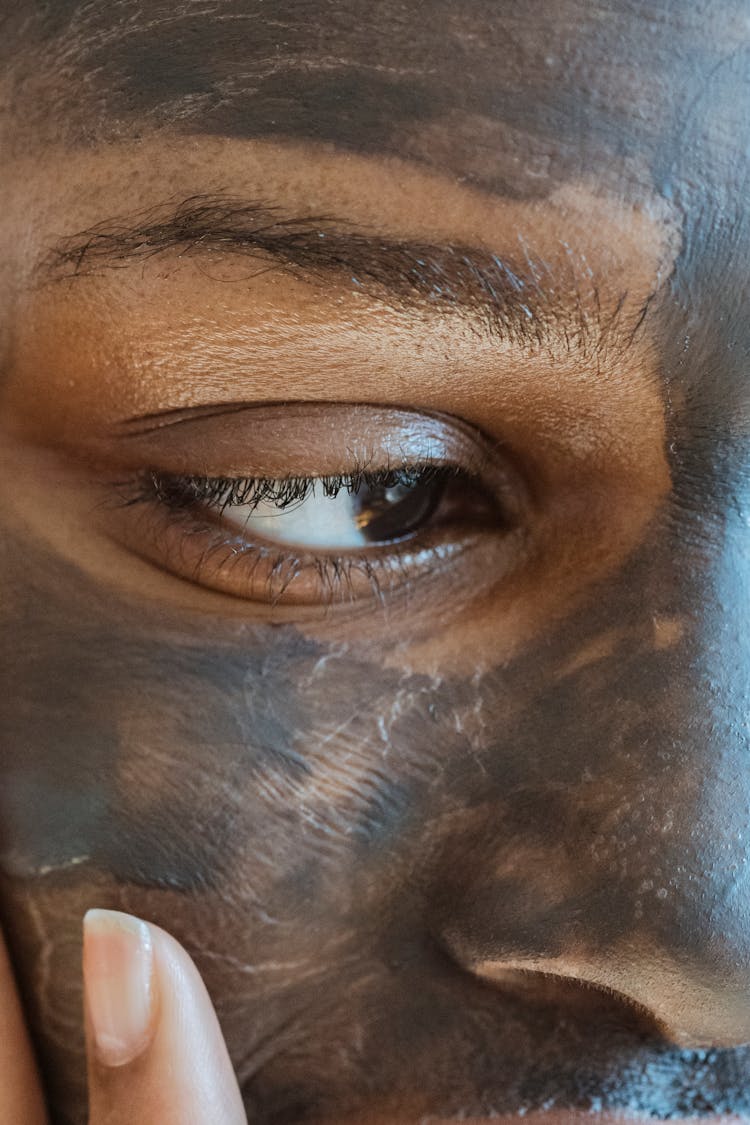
x=509, y=300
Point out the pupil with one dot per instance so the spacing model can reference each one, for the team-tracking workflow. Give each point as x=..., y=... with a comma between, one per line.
x=384, y=514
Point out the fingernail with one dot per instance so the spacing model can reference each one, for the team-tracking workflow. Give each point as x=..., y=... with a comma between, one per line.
x=118, y=983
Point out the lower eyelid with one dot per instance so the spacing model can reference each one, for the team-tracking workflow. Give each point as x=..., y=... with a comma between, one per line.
x=258, y=571
x=198, y=549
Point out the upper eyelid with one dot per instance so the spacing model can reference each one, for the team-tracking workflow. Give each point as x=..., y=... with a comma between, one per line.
x=275, y=439
x=228, y=491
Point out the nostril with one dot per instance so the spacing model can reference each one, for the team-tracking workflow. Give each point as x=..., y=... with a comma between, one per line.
x=599, y=1003
x=678, y=1011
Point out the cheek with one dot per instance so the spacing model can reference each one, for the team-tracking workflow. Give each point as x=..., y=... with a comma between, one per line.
x=130, y=747
x=183, y=766
x=302, y=817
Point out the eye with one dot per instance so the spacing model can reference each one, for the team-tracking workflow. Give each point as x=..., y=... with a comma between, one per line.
x=344, y=514
x=313, y=539
x=376, y=521
x=352, y=518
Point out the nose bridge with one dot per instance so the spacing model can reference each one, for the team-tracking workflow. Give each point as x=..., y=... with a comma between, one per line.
x=628, y=867
x=686, y=953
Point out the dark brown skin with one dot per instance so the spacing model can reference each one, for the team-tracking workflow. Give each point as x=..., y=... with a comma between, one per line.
x=481, y=846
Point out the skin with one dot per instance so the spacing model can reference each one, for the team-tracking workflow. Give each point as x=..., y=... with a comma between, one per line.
x=170, y=1067
x=480, y=847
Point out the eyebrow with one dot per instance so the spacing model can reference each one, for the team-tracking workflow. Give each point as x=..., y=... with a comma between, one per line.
x=514, y=301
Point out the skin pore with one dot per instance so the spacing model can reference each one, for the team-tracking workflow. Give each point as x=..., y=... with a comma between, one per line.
x=475, y=840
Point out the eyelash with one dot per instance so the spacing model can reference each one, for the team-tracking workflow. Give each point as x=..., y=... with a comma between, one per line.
x=181, y=491
x=177, y=496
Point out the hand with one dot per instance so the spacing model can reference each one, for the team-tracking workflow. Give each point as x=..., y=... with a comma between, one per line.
x=155, y=1051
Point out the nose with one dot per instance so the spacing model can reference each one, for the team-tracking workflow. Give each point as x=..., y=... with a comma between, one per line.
x=611, y=846
x=688, y=1010
x=662, y=923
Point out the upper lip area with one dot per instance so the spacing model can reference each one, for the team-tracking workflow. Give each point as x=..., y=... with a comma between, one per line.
x=559, y=1053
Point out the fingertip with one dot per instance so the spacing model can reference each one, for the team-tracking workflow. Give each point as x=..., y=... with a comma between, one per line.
x=156, y=1051
x=118, y=984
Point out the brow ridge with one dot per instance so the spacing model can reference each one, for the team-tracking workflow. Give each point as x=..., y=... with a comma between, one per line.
x=512, y=300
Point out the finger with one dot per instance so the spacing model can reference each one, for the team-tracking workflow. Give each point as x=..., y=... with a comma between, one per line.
x=156, y=1052
x=21, y=1098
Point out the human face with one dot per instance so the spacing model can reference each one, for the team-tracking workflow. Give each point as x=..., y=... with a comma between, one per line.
x=441, y=779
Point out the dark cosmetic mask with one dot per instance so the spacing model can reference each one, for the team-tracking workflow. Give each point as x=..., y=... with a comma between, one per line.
x=381, y=841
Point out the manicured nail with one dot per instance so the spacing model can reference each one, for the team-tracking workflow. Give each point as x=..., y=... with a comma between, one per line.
x=118, y=982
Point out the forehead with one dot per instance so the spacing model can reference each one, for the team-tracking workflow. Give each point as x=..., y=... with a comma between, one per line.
x=513, y=94
x=521, y=99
